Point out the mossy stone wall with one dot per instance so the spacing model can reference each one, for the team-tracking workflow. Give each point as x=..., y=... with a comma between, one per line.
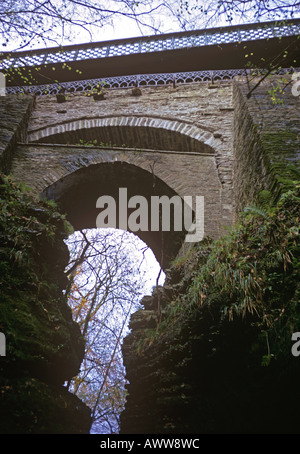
x=266, y=138
x=15, y=112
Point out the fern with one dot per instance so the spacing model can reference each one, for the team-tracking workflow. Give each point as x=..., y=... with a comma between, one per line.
x=257, y=211
x=265, y=199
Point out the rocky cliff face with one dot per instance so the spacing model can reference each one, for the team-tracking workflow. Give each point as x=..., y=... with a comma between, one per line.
x=44, y=346
x=211, y=351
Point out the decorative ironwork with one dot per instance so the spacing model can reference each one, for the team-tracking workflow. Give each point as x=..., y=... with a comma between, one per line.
x=139, y=80
x=157, y=43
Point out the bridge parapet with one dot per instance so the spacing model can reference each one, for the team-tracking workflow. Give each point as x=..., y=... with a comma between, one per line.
x=153, y=44
x=198, y=55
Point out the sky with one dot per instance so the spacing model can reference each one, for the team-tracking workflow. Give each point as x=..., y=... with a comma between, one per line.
x=118, y=26
x=185, y=15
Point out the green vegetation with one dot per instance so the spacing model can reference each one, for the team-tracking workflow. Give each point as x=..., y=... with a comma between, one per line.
x=43, y=345
x=30, y=315
x=251, y=274
x=220, y=357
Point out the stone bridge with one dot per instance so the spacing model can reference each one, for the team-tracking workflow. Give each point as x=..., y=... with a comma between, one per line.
x=193, y=132
x=164, y=138
x=165, y=141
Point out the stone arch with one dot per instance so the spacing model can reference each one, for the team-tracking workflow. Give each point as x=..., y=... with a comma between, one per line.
x=131, y=131
x=77, y=194
x=194, y=171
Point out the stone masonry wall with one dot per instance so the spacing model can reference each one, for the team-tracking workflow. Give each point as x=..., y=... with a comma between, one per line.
x=41, y=166
x=195, y=120
x=266, y=138
x=201, y=112
x=14, y=116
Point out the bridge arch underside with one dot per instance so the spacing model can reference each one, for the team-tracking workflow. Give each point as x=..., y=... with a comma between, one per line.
x=78, y=192
x=133, y=132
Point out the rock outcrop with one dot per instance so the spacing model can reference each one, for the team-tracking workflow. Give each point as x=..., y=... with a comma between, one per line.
x=44, y=347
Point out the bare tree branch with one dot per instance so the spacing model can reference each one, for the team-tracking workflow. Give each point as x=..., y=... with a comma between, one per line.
x=107, y=287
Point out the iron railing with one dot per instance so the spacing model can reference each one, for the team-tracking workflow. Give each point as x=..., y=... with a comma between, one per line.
x=139, y=80
x=148, y=44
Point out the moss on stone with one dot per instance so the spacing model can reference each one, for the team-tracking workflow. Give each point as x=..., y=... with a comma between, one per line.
x=229, y=340
x=44, y=347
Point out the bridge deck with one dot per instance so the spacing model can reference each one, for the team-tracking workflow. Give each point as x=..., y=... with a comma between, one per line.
x=200, y=50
